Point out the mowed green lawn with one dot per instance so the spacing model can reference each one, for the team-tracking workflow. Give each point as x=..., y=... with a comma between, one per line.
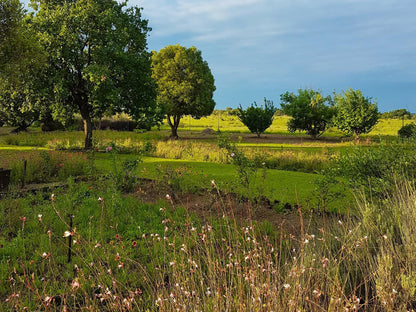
x=284, y=186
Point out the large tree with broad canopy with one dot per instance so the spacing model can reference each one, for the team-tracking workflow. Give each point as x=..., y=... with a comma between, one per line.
x=97, y=59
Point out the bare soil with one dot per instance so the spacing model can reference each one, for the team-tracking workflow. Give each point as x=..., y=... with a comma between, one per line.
x=211, y=203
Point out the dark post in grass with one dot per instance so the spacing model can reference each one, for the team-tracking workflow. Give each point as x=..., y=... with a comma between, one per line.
x=24, y=172
x=70, y=216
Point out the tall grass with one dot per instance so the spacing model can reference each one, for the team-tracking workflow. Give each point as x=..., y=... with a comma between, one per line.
x=45, y=166
x=129, y=257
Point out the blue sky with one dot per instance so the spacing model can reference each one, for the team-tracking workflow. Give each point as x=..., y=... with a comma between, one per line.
x=263, y=48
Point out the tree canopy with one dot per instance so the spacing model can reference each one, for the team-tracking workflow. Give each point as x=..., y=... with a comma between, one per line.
x=310, y=111
x=257, y=119
x=356, y=114
x=97, y=59
x=21, y=60
x=185, y=84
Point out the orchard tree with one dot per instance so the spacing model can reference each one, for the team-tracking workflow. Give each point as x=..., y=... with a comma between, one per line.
x=21, y=62
x=356, y=114
x=310, y=111
x=97, y=59
x=257, y=119
x=185, y=84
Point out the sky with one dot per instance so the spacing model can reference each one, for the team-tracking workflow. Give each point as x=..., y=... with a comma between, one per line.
x=260, y=49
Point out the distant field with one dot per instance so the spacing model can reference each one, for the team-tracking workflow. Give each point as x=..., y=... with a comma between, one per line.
x=385, y=127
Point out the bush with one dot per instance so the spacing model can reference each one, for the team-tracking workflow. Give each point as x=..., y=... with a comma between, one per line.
x=407, y=131
x=376, y=169
x=257, y=119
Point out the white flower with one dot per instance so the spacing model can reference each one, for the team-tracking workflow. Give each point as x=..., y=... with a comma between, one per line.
x=67, y=233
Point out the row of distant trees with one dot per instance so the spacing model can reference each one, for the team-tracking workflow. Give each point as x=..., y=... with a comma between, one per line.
x=350, y=111
x=90, y=57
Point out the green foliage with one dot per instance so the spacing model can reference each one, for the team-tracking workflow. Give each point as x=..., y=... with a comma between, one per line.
x=124, y=174
x=375, y=169
x=397, y=113
x=97, y=60
x=356, y=114
x=21, y=62
x=46, y=166
x=246, y=168
x=407, y=131
x=185, y=84
x=257, y=119
x=309, y=110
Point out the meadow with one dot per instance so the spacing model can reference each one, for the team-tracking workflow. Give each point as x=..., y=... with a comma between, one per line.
x=211, y=222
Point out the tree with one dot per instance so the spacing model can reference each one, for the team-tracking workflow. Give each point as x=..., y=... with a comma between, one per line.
x=97, y=59
x=397, y=113
x=356, y=114
x=407, y=131
x=185, y=84
x=257, y=119
x=21, y=61
x=310, y=111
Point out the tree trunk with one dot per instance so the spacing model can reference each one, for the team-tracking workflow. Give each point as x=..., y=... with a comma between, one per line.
x=87, y=132
x=357, y=136
x=174, y=124
x=81, y=100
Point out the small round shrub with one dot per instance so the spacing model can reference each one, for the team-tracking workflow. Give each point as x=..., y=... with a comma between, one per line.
x=407, y=131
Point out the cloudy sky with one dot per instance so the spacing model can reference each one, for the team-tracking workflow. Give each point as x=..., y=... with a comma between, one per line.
x=263, y=48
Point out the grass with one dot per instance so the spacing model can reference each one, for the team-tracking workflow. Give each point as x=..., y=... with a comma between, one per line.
x=127, y=255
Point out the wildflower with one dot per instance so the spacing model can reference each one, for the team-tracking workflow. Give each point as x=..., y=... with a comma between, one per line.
x=324, y=262
x=168, y=197
x=213, y=183
x=286, y=286
x=232, y=155
x=67, y=233
x=45, y=255
x=48, y=299
x=75, y=284
x=52, y=197
x=134, y=243
x=317, y=293
x=117, y=257
x=385, y=236
x=100, y=199
x=40, y=217
x=306, y=241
